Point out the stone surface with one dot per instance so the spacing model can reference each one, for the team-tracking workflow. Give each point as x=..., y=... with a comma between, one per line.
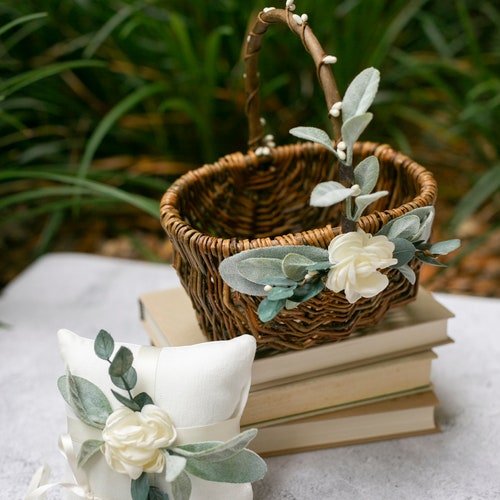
x=86, y=293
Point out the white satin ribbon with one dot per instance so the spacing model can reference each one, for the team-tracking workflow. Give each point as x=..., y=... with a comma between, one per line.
x=38, y=486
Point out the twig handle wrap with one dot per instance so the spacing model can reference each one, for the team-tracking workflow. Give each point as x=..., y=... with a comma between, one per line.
x=251, y=51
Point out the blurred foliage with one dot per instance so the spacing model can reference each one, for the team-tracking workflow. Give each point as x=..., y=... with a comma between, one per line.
x=105, y=103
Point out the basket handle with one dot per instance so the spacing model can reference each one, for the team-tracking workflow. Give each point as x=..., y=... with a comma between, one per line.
x=252, y=47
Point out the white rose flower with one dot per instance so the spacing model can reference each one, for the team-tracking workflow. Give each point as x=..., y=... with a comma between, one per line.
x=356, y=258
x=133, y=440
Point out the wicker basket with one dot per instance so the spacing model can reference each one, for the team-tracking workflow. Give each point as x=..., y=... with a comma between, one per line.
x=245, y=201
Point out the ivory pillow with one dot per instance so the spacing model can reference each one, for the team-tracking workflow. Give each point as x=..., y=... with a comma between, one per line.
x=203, y=388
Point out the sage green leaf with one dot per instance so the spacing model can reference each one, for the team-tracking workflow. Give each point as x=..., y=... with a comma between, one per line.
x=444, y=247
x=295, y=266
x=86, y=399
x=89, y=449
x=429, y=259
x=229, y=267
x=308, y=291
x=360, y=93
x=129, y=403
x=260, y=268
x=329, y=193
x=406, y=226
x=268, y=309
x=351, y=130
x=363, y=200
x=143, y=399
x=139, y=488
x=244, y=467
x=404, y=251
x=181, y=487
x=315, y=135
x=104, y=345
x=320, y=266
x=127, y=381
x=121, y=362
x=216, y=451
x=408, y=273
x=366, y=174
x=156, y=494
x=290, y=304
x=280, y=293
x=426, y=218
x=174, y=466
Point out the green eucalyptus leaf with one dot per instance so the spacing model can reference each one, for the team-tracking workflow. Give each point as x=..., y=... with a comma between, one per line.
x=104, y=345
x=351, y=130
x=366, y=174
x=260, y=268
x=329, y=193
x=360, y=93
x=404, y=251
x=315, y=135
x=127, y=381
x=217, y=450
x=139, y=488
x=244, y=467
x=129, y=403
x=121, y=362
x=429, y=259
x=143, y=399
x=156, y=494
x=280, y=293
x=268, y=309
x=444, y=247
x=364, y=200
x=174, y=466
x=295, y=266
x=229, y=267
x=408, y=273
x=86, y=399
x=89, y=449
x=181, y=487
x=308, y=291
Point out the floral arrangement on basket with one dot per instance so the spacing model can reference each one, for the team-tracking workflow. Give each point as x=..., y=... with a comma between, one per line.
x=278, y=242
x=289, y=275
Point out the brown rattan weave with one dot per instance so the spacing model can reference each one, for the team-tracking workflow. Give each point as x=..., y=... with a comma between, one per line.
x=245, y=201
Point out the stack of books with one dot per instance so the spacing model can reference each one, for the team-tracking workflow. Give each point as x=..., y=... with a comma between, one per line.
x=375, y=384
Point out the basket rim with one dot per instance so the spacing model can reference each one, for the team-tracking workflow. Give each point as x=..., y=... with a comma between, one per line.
x=171, y=218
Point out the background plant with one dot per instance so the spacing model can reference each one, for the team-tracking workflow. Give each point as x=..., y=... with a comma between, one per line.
x=103, y=104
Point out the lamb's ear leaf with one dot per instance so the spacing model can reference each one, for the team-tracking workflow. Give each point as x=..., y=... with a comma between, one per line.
x=329, y=193
x=360, y=93
x=351, y=130
x=86, y=399
x=244, y=467
x=89, y=449
x=444, y=247
x=364, y=200
x=181, y=487
x=366, y=174
x=295, y=266
x=315, y=135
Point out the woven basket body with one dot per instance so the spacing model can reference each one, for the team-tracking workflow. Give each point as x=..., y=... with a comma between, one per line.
x=243, y=202
x=246, y=201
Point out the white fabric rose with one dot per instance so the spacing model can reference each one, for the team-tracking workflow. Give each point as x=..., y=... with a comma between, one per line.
x=356, y=258
x=133, y=440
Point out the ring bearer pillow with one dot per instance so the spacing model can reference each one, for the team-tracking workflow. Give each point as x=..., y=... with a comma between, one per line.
x=203, y=388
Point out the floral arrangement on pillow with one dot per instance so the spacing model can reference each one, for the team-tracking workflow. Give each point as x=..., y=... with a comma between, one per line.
x=133, y=446
x=292, y=275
